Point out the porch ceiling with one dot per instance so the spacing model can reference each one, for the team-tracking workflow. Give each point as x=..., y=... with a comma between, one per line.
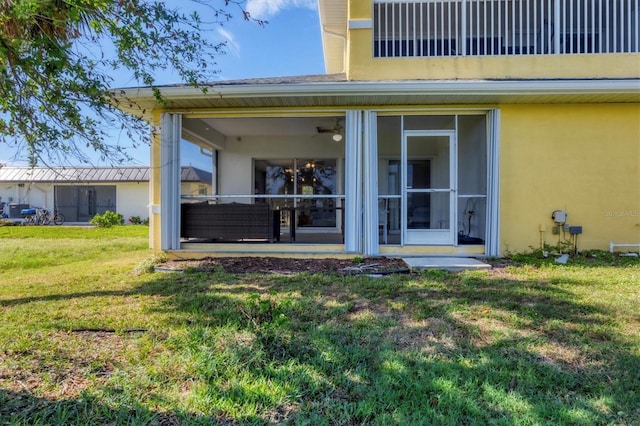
x=280, y=126
x=334, y=91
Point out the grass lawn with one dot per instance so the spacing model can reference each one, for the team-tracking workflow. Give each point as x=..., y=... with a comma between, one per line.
x=86, y=338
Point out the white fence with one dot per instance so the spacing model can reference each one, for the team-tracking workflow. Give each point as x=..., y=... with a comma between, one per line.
x=504, y=27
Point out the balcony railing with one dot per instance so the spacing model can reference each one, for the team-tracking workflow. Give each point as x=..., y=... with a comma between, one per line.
x=504, y=27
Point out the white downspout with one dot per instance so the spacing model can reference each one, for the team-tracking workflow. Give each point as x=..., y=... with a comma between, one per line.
x=344, y=46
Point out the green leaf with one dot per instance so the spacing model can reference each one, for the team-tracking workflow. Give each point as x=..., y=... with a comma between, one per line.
x=56, y=68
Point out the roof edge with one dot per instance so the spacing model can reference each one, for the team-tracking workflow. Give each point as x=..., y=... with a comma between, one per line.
x=417, y=87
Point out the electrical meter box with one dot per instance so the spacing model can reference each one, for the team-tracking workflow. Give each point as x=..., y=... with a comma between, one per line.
x=559, y=216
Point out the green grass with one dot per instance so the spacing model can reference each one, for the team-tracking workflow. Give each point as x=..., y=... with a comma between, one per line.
x=87, y=340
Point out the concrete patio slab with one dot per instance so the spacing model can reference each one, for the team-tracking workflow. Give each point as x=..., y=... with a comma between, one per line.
x=454, y=264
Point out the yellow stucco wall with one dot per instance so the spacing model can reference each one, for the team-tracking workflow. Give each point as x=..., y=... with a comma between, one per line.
x=363, y=66
x=584, y=159
x=360, y=9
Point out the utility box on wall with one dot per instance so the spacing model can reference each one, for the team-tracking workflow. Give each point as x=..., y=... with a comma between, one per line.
x=559, y=216
x=15, y=209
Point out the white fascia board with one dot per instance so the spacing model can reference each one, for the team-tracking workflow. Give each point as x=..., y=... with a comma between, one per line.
x=432, y=87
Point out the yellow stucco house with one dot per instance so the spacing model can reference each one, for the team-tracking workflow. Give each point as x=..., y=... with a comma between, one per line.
x=461, y=127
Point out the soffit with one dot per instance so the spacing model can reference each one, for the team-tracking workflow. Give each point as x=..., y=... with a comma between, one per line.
x=333, y=26
x=331, y=92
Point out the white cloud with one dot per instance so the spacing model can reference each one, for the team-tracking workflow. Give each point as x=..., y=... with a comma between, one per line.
x=263, y=9
x=233, y=46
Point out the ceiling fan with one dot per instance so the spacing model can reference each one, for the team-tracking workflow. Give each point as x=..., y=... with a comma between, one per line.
x=336, y=130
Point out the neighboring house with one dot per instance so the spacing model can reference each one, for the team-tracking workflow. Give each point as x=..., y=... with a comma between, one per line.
x=79, y=193
x=442, y=127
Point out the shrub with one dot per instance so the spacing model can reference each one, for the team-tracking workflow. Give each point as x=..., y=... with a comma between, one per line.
x=136, y=220
x=107, y=220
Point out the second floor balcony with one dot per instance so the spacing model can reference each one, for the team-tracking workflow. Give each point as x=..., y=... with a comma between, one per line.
x=444, y=28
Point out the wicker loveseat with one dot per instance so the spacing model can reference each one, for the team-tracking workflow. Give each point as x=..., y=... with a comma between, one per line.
x=229, y=222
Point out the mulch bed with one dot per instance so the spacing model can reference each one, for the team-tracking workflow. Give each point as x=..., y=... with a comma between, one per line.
x=276, y=265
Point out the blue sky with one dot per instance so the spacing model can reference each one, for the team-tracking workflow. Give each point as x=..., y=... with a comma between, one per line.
x=290, y=44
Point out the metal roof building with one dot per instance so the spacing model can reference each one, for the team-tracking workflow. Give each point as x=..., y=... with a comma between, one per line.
x=92, y=174
x=81, y=192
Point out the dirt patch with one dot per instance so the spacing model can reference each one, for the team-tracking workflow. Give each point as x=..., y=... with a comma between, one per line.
x=73, y=362
x=276, y=265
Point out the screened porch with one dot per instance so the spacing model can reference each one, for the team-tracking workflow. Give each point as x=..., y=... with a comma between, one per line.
x=276, y=180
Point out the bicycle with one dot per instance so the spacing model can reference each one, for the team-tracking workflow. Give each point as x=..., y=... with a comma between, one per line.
x=58, y=218
x=29, y=220
x=44, y=217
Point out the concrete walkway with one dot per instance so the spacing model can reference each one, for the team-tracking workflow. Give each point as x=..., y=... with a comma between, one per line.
x=454, y=264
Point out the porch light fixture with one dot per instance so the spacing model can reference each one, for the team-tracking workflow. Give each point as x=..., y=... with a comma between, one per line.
x=337, y=137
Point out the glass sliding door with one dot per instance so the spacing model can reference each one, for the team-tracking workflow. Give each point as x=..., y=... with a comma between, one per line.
x=316, y=179
x=314, y=182
x=82, y=202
